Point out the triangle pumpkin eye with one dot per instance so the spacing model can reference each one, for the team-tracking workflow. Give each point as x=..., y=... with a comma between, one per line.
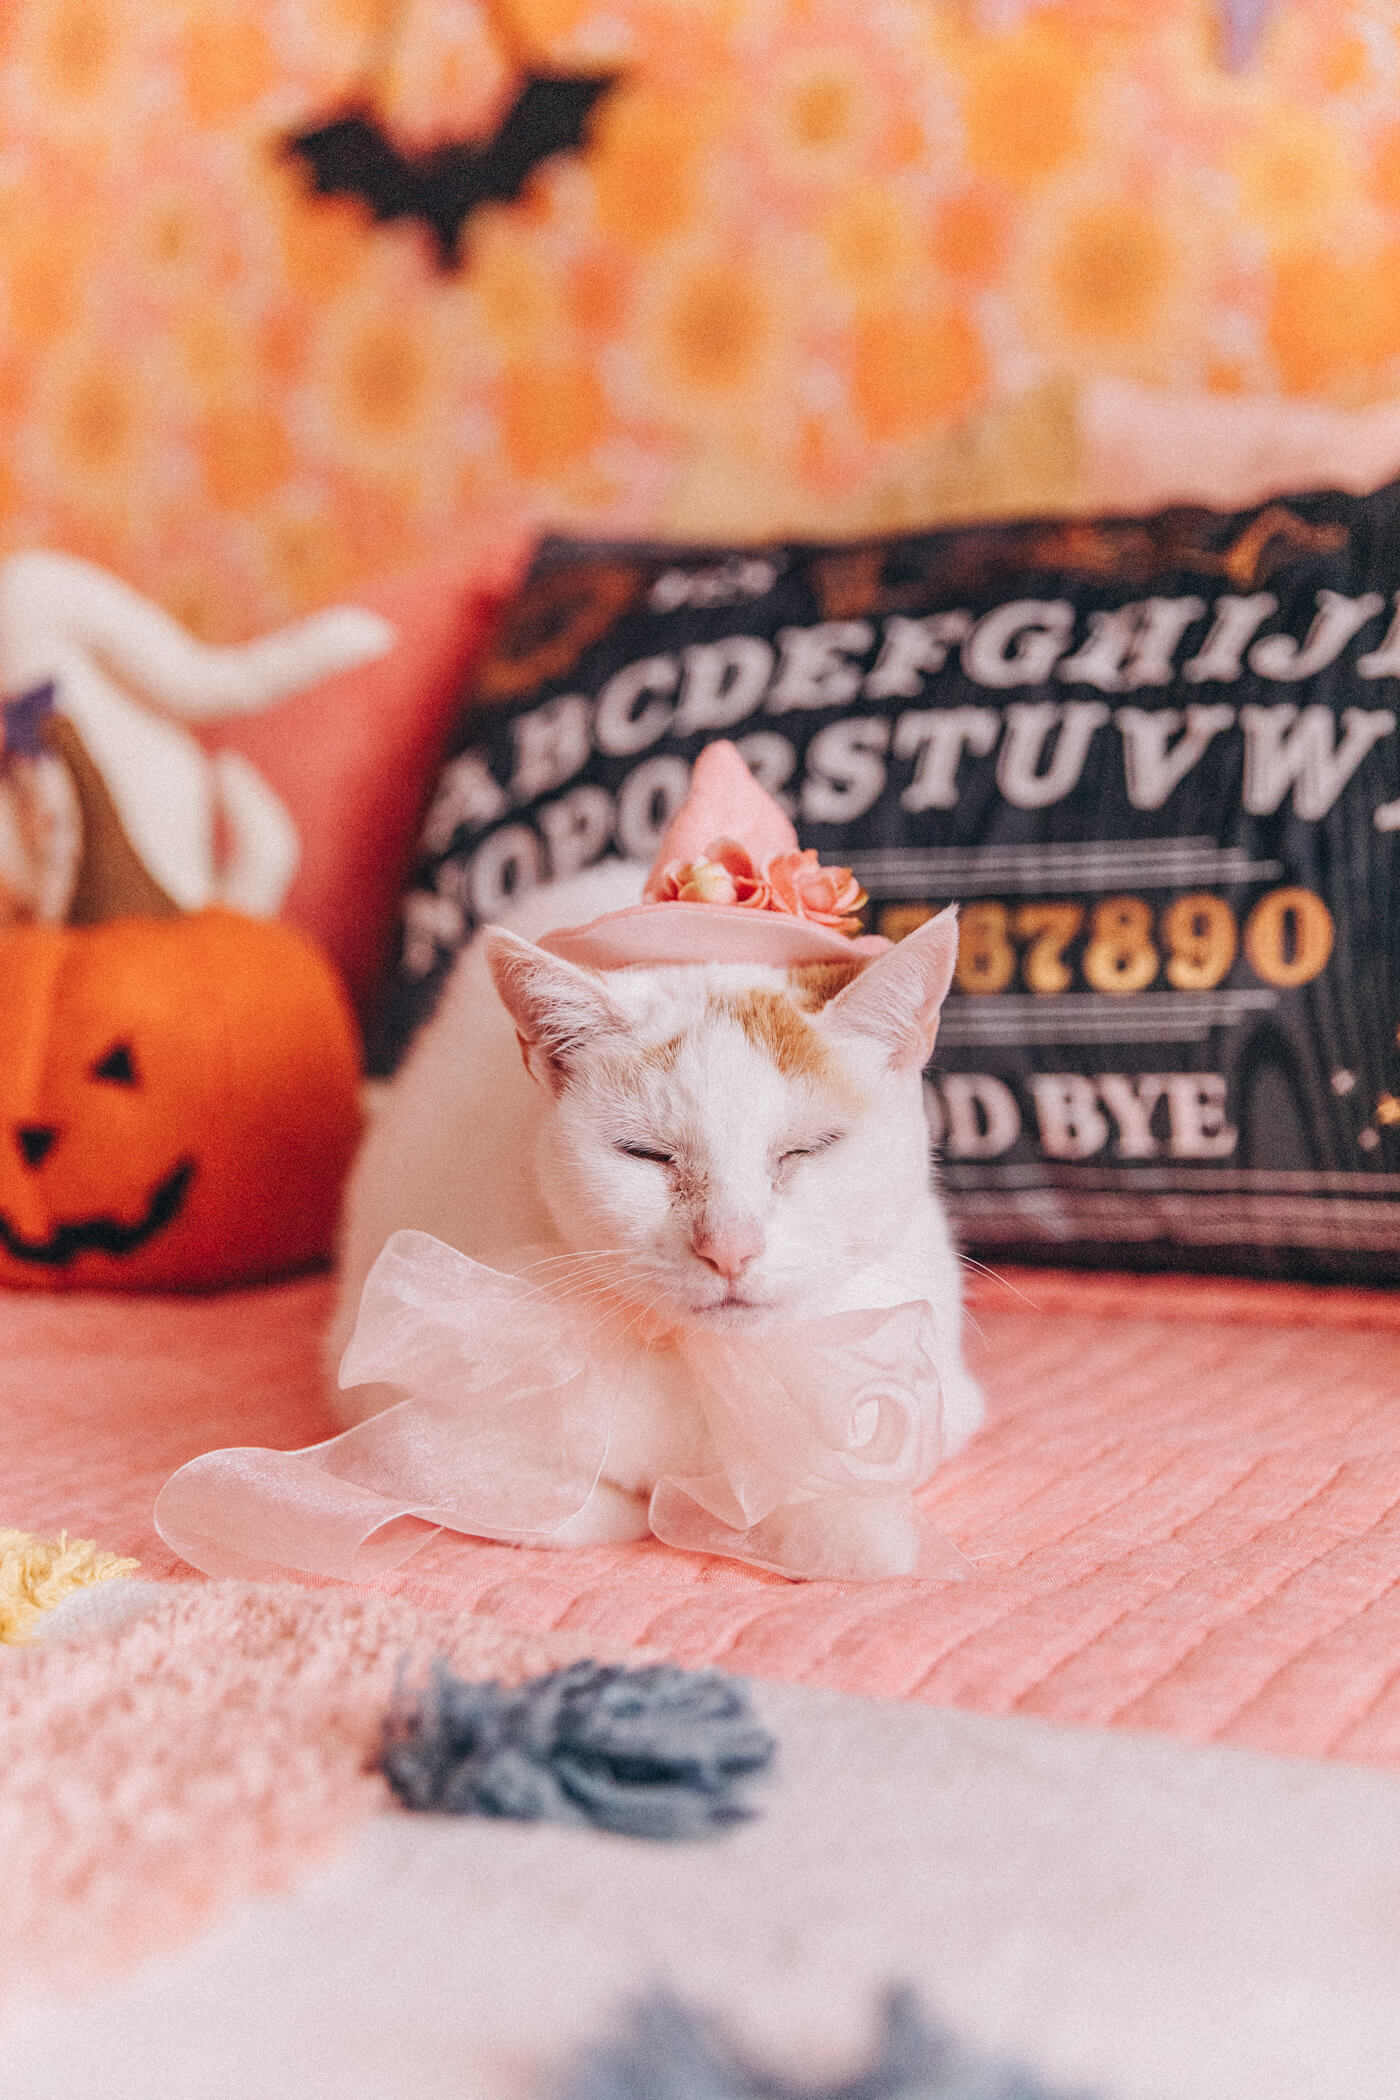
x=117, y=1066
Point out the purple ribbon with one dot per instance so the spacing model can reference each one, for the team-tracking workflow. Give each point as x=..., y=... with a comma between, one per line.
x=23, y=719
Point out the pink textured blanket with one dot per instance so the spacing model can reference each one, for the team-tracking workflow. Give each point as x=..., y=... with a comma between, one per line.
x=1184, y=1513
x=206, y=1751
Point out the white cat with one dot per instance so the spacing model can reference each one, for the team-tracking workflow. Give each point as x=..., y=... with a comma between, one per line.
x=725, y=1146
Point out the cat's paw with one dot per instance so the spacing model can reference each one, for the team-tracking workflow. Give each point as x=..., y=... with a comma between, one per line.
x=610, y=1517
x=844, y=1539
x=964, y=1410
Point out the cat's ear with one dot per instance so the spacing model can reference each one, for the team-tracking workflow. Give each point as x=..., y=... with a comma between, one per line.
x=896, y=999
x=558, y=1009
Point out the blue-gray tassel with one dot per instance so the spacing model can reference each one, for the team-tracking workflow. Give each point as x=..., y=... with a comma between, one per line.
x=673, y=2054
x=658, y=1752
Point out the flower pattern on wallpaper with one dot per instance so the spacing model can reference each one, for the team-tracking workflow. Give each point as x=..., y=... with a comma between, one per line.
x=821, y=267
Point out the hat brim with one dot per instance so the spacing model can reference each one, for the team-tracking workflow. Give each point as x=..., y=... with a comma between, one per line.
x=658, y=934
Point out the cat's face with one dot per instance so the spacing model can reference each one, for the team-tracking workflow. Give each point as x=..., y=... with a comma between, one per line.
x=727, y=1143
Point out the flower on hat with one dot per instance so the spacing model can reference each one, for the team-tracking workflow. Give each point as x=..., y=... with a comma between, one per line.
x=723, y=874
x=802, y=887
x=795, y=884
x=692, y=882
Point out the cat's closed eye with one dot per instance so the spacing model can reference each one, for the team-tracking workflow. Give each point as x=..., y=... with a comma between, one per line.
x=663, y=1159
x=823, y=1143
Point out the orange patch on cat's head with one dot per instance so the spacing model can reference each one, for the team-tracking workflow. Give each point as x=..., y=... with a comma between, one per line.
x=773, y=1025
x=776, y=1023
x=814, y=984
x=661, y=1057
x=773, y=1021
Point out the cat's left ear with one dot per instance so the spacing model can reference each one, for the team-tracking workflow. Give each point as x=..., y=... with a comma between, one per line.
x=558, y=1009
x=897, y=998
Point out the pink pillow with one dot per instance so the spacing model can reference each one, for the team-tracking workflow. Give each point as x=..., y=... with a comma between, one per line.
x=354, y=758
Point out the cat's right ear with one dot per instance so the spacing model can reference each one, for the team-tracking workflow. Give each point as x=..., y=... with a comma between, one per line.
x=896, y=998
x=558, y=1009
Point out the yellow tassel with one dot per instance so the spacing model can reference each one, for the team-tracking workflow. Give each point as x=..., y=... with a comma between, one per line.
x=36, y=1574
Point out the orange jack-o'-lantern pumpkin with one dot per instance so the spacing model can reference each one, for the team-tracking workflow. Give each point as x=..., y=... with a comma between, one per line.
x=178, y=1102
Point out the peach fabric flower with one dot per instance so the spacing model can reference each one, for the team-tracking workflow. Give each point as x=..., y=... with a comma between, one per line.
x=724, y=874
x=692, y=882
x=803, y=888
x=793, y=883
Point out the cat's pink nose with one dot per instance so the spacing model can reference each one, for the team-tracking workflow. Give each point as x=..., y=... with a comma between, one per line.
x=729, y=1250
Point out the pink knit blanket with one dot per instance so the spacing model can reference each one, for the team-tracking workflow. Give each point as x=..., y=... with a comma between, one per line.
x=1184, y=1514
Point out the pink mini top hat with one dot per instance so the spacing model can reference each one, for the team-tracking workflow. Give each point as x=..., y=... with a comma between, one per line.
x=729, y=884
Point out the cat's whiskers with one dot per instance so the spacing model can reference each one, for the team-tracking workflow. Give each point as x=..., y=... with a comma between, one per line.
x=571, y=1254
x=568, y=1273
x=996, y=1276
x=662, y=1326
x=582, y=1254
x=549, y=1286
x=620, y=1334
x=621, y=1298
x=588, y=1291
x=561, y=1266
x=591, y=1288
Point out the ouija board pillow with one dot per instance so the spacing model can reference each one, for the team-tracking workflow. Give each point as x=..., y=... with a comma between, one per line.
x=1157, y=764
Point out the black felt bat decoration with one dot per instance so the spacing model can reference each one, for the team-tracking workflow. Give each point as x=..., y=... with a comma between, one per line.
x=351, y=157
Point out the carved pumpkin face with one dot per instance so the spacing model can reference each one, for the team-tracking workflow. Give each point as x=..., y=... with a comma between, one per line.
x=178, y=1103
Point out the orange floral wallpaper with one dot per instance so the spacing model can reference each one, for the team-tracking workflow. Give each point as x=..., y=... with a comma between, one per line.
x=826, y=264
